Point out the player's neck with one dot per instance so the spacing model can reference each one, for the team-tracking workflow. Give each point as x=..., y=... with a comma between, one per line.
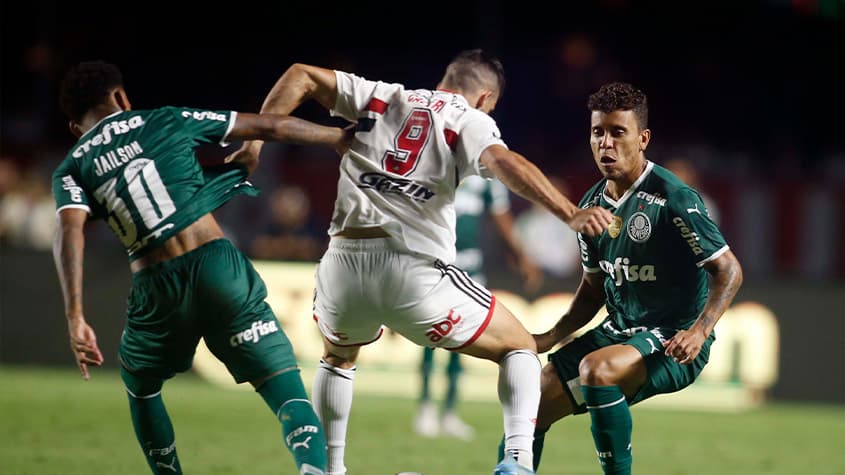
x=616, y=188
x=95, y=115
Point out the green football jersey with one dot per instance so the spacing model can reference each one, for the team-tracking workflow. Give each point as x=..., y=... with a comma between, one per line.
x=473, y=198
x=653, y=252
x=138, y=171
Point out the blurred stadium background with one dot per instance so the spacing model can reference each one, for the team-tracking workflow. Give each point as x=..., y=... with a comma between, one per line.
x=746, y=96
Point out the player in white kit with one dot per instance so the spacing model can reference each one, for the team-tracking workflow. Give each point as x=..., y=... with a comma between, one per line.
x=389, y=261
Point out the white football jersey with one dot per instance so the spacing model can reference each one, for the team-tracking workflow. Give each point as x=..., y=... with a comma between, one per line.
x=411, y=150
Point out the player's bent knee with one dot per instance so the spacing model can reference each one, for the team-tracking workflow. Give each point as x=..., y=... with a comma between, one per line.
x=140, y=387
x=596, y=371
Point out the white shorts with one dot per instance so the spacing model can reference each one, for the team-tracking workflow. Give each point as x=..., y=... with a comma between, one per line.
x=366, y=284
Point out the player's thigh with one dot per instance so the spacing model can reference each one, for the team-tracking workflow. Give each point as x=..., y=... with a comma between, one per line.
x=664, y=375
x=440, y=305
x=160, y=334
x=352, y=282
x=614, y=365
x=239, y=326
x=504, y=333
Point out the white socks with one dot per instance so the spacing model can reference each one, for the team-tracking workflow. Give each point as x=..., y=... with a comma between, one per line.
x=332, y=397
x=519, y=393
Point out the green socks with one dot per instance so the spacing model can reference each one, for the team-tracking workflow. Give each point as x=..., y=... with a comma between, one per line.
x=454, y=371
x=153, y=428
x=611, y=427
x=301, y=429
x=427, y=366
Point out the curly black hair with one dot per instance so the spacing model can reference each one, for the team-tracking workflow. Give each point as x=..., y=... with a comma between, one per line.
x=620, y=96
x=86, y=86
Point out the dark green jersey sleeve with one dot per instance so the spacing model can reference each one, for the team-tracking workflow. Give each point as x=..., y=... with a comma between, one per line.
x=693, y=225
x=587, y=247
x=66, y=189
x=204, y=126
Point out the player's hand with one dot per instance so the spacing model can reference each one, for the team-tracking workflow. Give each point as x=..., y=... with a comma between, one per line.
x=548, y=340
x=531, y=273
x=83, y=343
x=591, y=221
x=685, y=345
x=348, y=137
x=248, y=153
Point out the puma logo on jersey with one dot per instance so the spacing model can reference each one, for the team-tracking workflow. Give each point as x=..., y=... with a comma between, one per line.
x=621, y=270
x=400, y=186
x=694, y=209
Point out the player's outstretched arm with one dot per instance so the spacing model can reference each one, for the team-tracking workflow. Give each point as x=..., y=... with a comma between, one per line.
x=588, y=299
x=280, y=128
x=727, y=279
x=525, y=179
x=68, y=250
x=299, y=83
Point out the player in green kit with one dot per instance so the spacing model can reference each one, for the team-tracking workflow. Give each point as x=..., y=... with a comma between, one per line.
x=650, y=270
x=137, y=170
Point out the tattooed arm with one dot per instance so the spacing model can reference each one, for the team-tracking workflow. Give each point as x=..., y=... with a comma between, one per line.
x=727, y=278
x=68, y=250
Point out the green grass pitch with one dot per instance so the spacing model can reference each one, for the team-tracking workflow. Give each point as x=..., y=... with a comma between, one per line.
x=53, y=422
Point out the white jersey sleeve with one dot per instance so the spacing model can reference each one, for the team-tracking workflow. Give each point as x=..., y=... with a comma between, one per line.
x=411, y=149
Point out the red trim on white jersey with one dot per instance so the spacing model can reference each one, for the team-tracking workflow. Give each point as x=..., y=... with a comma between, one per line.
x=451, y=138
x=377, y=105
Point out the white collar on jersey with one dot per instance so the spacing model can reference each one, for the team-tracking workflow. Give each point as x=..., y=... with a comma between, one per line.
x=630, y=191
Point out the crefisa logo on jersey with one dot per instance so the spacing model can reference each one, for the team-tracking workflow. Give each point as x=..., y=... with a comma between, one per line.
x=639, y=227
x=621, y=270
x=253, y=333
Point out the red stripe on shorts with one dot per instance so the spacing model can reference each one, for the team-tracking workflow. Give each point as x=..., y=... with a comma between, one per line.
x=481, y=328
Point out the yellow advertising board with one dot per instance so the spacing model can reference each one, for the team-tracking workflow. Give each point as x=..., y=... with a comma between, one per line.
x=743, y=361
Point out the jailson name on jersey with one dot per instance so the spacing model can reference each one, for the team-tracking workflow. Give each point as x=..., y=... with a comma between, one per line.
x=113, y=159
x=117, y=127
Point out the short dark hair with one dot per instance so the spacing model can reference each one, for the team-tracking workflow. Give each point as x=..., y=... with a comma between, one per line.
x=473, y=68
x=86, y=86
x=620, y=96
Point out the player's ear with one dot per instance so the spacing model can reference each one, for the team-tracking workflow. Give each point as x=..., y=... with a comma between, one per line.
x=486, y=101
x=645, y=138
x=74, y=129
x=121, y=99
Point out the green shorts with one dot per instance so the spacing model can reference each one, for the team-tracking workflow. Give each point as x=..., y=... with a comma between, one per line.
x=212, y=292
x=664, y=374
